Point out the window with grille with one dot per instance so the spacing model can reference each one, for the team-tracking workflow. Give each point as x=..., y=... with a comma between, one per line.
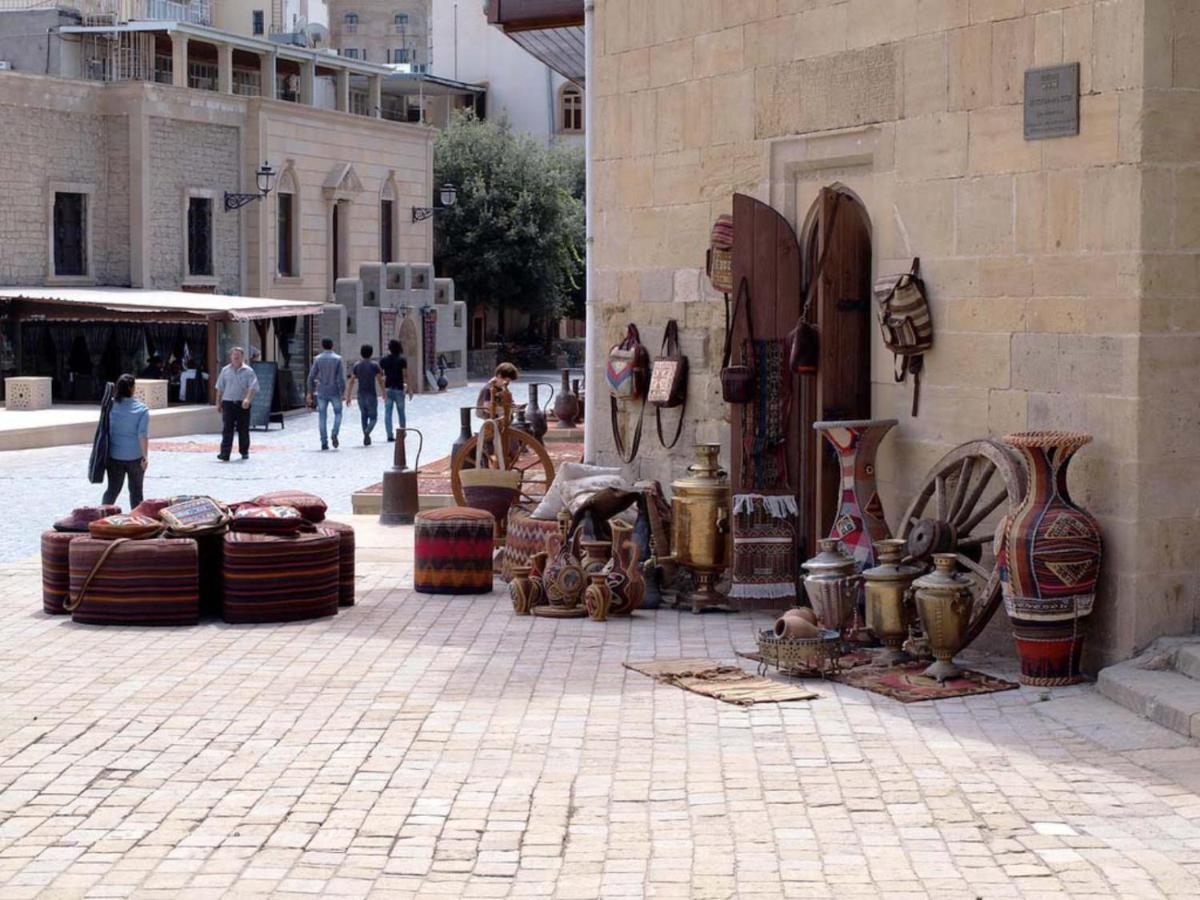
x=350, y=52
x=401, y=55
x=285, y=218
x=199, y=236
x=385, y=230
x=70, y=234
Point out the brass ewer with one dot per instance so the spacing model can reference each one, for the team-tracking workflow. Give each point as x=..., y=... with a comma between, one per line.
x=700, y=504
x=943, y=599
x=889, y=612
x=831, y=582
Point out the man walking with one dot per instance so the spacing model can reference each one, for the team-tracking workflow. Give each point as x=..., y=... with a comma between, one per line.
x=236, y=386
x=367, y=375
x=326, y=384
x=395, y=372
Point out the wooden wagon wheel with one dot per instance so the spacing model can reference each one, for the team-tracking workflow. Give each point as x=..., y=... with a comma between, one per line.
x=957, y=511
x=523, y=452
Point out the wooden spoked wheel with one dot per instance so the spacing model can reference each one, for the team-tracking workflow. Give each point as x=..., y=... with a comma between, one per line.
x=522, y=451
x=958, y=510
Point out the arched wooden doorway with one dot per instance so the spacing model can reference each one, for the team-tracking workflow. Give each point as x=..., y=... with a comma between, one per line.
x=838, y=227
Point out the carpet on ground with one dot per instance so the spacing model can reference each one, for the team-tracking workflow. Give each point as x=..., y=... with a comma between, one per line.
x=729, y=684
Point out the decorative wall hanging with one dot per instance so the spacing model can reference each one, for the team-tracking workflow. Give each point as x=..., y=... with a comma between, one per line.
x=764, y=550
x=668, y=382
x=906, y=324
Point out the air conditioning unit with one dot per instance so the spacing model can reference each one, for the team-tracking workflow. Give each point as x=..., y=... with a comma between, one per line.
x=5, y=65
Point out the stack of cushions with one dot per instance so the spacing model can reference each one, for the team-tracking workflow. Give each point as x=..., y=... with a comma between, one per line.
x=207, y=521
x=279, y=578
x=56, y=569
x=345, y=535
x=82, y=516
x=574, y=484
x=140, y=582
x=310, y=506
x=453, y=551
x=267, y=520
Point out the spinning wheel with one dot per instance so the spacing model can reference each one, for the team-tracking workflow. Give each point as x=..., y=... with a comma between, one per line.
x=522, y=451
x=958, y=510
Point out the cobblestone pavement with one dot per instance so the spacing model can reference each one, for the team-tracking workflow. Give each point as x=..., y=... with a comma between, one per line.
x=52, y=480
x=432, y=746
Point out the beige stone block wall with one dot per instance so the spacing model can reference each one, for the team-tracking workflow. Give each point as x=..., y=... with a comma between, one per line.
x=1062, y=273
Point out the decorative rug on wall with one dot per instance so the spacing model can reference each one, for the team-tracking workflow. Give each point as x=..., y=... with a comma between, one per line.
x=907, y=684
x=729, y=684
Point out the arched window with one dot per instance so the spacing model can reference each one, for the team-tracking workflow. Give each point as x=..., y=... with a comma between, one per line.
x=570, y=103
x=287, y=225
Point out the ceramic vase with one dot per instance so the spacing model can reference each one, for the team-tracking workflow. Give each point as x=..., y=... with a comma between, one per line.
x=537, y=569
x=563, y=578
x=534, y=414
x=597, y=598
x=520, y=589
x=1052, y=550
x=566, y=404
x=859, y=520
x=596, y=555
x=623, y=572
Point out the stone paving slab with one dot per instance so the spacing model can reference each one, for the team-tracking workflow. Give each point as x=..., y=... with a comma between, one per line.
x=429, y=746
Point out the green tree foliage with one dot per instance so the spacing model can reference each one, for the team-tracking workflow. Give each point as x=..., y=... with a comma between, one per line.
x=514, y=240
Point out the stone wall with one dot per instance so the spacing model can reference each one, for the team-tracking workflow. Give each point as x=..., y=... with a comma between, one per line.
x=1061, y=272
x=192, y=156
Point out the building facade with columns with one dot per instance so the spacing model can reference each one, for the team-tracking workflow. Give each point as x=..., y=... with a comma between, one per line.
x=1061, y=272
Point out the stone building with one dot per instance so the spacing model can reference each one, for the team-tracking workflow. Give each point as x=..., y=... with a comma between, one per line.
x=1062, y=272
x=382, y=31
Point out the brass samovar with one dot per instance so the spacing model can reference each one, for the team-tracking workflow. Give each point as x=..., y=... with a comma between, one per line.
x=889, y=608
x=700, y=534
x=943, y=600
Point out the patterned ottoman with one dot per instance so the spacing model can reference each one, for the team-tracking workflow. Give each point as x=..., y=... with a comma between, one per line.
x=56, y=570
x=310, y=506
x=279, y=578
x=345, y=536
x=526, y=536
x=454, y=551
x=155, y=581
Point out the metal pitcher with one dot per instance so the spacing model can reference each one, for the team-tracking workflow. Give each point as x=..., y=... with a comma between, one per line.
x=401, y=500
x=831, y=583
x=535, y=413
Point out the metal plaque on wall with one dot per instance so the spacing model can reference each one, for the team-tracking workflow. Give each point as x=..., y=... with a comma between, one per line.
x=1052, y=102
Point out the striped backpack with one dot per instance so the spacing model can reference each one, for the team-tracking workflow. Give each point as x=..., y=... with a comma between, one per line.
x=905, y=322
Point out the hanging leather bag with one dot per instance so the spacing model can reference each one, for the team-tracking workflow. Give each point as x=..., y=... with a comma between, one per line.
x=628, y=376
x=668, y=382
x=803, y=341
x=906, y=324
x=737, y=382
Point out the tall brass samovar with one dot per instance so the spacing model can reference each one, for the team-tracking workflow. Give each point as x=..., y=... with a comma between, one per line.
x=700, y=533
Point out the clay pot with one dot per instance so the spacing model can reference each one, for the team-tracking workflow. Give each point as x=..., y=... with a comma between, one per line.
x=792, y=626
x=624, y=574
x=597, y=598
x=596, y=555
x=566, y=404
x=521, y=590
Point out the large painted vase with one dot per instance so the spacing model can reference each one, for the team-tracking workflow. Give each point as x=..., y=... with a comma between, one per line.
x=859, y=521
x=623, y=573
x=1052, y=551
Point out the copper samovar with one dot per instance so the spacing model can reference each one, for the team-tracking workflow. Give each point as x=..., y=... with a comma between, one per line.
x=700, y=535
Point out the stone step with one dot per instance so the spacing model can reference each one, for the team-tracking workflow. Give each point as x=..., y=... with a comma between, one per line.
x=1163, y=685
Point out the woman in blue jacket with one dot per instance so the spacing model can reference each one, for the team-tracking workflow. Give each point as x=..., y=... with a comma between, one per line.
x=128, y=443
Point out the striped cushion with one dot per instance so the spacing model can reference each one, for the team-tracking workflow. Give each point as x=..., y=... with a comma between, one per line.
x=151, y=508
x=56, y=570
x=345, y=536
x=267, y=519
x=311, y=506
x=279, y=578
x=82, y=516
x=526, y=536
x=135, y=528
x=454, y=551
x=146, y=582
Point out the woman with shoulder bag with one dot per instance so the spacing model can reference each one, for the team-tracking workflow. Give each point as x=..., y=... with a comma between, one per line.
x=128, y=443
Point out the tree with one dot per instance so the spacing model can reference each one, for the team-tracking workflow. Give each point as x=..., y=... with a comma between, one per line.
x=514, y=239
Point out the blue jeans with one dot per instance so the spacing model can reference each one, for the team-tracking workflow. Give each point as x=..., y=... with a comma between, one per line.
x=368, y=408
x=395, y=400
x=322, y=409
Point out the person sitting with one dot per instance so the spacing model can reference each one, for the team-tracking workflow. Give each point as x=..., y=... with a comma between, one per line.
x=154, y=369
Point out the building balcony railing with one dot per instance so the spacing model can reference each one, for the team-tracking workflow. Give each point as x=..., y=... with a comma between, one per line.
x=194, y=12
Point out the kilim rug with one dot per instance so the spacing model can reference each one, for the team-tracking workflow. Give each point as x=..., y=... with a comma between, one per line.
x=851, y=660
x=728, y=684
x=907, y=684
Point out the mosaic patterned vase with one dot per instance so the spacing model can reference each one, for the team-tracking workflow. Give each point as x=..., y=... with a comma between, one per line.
x=1052, y=551
x=623, y=573
x=859, y=521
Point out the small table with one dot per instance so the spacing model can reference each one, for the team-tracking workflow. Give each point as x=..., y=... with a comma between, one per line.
x=27, y=393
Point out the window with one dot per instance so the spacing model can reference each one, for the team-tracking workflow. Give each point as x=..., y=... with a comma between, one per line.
x=401, y=20
x=400, y=55
x=386, y=217
x=350, y=52
x=256, y=20
x=571, y=103
x=70, y=234
x=199, y=236
x=285, y=219
x=350, y=19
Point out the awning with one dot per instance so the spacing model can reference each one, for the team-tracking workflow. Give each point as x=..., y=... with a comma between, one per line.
x=550, y=30
x=146, y=305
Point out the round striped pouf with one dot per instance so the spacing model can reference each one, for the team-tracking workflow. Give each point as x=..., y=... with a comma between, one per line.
x=147, y=582
x=454, y=551
x=56, y=570
x=345, y=536
x=279, y=578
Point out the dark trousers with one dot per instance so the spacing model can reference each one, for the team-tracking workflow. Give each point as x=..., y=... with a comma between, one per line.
x=117, y=469
x=233, y=416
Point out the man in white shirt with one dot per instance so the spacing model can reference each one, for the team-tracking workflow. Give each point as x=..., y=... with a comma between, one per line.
x=236, y=386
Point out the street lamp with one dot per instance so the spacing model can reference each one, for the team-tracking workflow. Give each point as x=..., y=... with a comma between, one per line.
x=448, y=194
x=262, y=178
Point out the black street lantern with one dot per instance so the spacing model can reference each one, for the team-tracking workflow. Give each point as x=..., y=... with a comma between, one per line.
x=448, y=194
x=262, y=178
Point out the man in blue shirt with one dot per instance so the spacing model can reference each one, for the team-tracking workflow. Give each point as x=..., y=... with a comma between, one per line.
x=327, y=383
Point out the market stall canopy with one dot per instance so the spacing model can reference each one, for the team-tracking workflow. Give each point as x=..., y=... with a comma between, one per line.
x=136, y=303
x=550, y=30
